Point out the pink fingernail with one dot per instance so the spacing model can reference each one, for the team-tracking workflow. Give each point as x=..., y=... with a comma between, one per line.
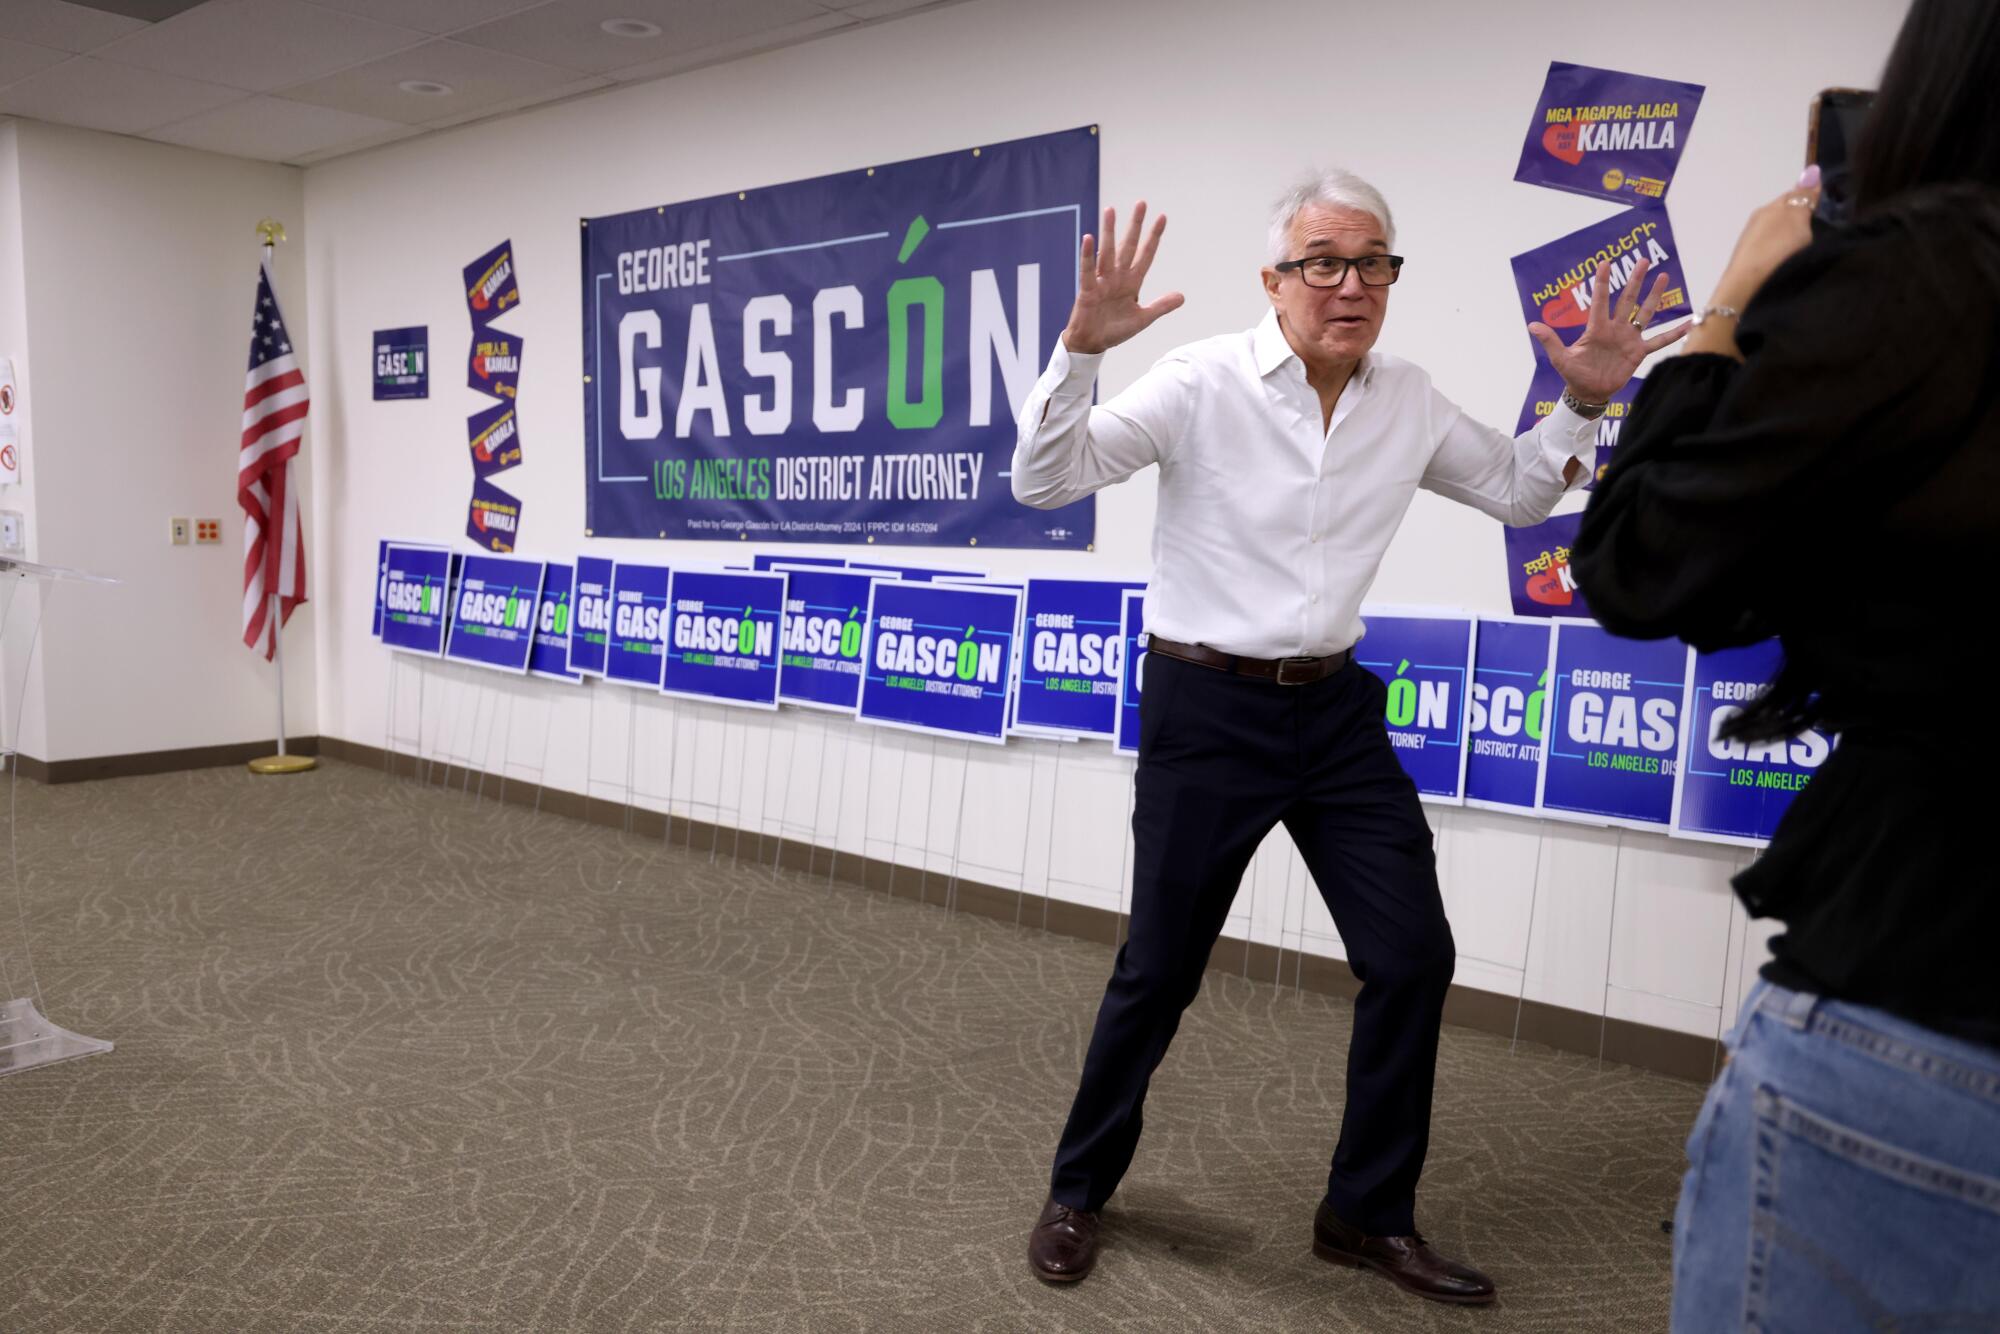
x=1809, y=178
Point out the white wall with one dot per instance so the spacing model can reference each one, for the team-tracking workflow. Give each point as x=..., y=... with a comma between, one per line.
x=23, y=713
x=140, y=270
x=1206, y=111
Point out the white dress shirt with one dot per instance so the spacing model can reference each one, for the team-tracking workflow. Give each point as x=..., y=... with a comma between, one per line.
x=1269, y=528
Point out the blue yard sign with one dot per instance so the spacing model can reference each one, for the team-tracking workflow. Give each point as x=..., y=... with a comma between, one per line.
x=1737, y=791
x=1614, y=727
x=1508, y=710
x=1424, y=661
x=636, y=645
x=493, y=612
x=416, y=588
x=938, y=659
x=772, y=559
x=549, y=655
x=1071, y=655
x=837, y=359
x=724, y=641
x=826, y=622
x=1131, y=624
x=590, y=636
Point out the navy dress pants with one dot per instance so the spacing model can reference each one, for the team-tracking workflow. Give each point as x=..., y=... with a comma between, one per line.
x=1222, y=759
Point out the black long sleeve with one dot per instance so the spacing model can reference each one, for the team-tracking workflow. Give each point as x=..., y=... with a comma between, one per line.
x=1840, y=488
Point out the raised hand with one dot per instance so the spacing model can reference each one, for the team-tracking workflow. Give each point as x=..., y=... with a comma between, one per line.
x=1107, y=310
x=1614, y=340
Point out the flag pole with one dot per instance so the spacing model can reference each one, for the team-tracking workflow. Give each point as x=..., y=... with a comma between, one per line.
x=273, y=232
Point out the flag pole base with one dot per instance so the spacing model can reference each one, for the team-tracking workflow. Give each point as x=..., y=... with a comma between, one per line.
x=283, y=764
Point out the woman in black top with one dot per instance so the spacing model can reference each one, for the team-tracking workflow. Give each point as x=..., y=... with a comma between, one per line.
x=1825, y=468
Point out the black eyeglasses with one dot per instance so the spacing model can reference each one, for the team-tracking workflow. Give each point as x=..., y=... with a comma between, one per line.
x=1331, y=270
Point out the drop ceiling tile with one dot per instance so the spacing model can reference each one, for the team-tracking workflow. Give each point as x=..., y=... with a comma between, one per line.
x=272, y=129
x=478, y=79
x=584, y=84
x=882, y=9
x=258, y=45
x=714, y=54
x=433, y=16
x=64, y=26
x=372, y=141
x=98, y=95
x=20, y=59
x=570, y=33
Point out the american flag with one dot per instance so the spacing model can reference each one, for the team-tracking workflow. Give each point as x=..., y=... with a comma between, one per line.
x=274, y=416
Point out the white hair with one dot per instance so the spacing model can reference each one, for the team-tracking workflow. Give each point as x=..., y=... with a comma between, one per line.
x=1332, y=188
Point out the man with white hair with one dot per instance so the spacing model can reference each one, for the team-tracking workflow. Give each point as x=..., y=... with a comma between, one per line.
x=1287, y=453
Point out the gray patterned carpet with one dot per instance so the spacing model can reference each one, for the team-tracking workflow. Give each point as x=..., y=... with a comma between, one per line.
x=387, y=1061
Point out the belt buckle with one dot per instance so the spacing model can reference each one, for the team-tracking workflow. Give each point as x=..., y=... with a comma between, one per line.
x=1304, y=664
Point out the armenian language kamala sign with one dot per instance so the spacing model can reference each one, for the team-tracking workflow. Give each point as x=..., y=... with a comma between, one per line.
x=837, y=359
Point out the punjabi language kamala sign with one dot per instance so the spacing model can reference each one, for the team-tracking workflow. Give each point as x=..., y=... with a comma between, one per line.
x=837, y=359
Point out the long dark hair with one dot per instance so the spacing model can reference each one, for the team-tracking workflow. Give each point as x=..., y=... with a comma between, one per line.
x=1928, y=157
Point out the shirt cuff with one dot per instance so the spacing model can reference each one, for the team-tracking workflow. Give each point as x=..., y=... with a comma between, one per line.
x=1070, y=372
x=1566, y=435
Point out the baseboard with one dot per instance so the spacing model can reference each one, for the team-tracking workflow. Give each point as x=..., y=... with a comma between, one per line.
x=157, y=761
x=1662, y=1050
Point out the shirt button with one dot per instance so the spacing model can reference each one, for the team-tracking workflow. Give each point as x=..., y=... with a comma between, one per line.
x=1314, y=598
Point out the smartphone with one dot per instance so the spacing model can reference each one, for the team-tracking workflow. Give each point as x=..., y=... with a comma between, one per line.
x=1831, y=133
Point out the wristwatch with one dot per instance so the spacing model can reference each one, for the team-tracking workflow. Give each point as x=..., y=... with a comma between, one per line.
x=1588, y=411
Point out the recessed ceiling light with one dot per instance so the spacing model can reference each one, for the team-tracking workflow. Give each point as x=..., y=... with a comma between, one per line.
x=425, y=87
x=630, y=28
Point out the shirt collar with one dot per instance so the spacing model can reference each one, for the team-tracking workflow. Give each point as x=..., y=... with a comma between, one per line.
x=1273, y=351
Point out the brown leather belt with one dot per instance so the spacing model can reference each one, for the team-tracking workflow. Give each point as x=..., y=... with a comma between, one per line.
x=1285, y=671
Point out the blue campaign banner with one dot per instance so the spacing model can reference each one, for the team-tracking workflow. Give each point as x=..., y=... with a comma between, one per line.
x=1539, y=579
x=549, y=655
x=416, y=598
x=1614, y=727
x=1425, y=661
x=1131, y=625
x=493, y=612
x=1736, y=791
x=1507, y=715
x=636, y=648
x=837, y=359
x=403, y=363
x=939, y=657
x=766, y=560
x=1546, y=391
x=1608, y=134
x=1554, y=281
x=826, y=620
x=589, y=636
x=724, y=642
x=1072, y=652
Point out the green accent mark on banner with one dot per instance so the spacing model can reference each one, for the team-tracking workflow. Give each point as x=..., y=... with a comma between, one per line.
x=913, y=238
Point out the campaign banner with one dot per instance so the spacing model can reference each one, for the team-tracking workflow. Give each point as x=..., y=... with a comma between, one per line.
x=1072, y=653
x=1545, y=394
x=1507, y=714
x=493, y=612
x=589, y=637
x=837, y=359
x=938, y=659
x=495, y=364
x=1131, y=676
x=1737, y=791
x=403, y=363
x=1614, y=727
x=1425, y=662
x=1608, y=134
x=495, y=440
x=636, y=652
x=1554, y=281
x=724, y=641
x=491, y=285
x=1539, y=578
x=826, y=619
x=549, y=655
x=765, y=560
x=493, y=519
x=416, y=596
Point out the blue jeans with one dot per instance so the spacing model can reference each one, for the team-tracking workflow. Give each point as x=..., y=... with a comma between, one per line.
x=1844, y=1174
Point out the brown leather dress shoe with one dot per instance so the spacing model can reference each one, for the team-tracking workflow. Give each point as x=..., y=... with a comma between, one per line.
x=1408, y=1262
x=1063, y=1246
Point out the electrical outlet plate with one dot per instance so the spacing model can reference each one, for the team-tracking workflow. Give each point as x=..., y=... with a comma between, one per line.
x=177, y=531
x=13, y=533
x=208, y=532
